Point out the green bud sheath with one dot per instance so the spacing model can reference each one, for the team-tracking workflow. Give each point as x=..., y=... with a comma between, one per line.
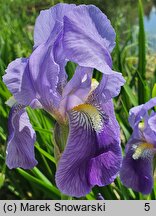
x=60, y=136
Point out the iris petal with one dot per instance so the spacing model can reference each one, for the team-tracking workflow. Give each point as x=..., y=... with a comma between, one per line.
x=137, y=113
x=83, y=50
x=20, y=149
x=104, y=167
x=149, y=130
x=34, y=81
x=77, y=89
x=48, y=29
x=108, y=88
x=50, y=22
x=137, y=174
x=44, y=75
x=18, y=81
x=88, y=44
x=87, y=142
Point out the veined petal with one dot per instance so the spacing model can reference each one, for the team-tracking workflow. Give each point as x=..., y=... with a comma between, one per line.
x=133, y=114
x=58, y=47
x=60, y=59
x=105, y=166
x=49, y=30
x=20, y=148
x=149, y=131
x=87, y=41
x=44, y=74
x=18, y=81
x=108, y=88
x=152, y=122
x=103, y=26
x=137, y=113
x=33, y=81
x=137, y=173
x=77, y=89
x=50, y=22
x=92, y=138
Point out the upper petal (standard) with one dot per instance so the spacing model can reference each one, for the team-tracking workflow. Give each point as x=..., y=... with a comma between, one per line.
x=50, y=22
x=87, y=41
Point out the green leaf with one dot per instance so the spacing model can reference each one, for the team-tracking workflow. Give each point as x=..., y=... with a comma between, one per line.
x=142, y=56
x=2, y=179
x=43, y=130
x=154, y=91
x=44, y=186
x=90, y=196
x=47, y=155
x=131, y=95
x=40, y=175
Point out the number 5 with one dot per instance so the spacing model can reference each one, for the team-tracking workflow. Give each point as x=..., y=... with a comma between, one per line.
x=147, y=207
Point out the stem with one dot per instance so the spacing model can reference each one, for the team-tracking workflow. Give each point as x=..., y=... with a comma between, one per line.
x=65, y=197
x=60, y=139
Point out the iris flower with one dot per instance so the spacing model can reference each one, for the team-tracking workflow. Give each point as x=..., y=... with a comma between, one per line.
x=91, y=154
x=137, y=166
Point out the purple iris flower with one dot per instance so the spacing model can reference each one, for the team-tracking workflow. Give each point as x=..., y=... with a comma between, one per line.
x=92, y=153
x=137, y=166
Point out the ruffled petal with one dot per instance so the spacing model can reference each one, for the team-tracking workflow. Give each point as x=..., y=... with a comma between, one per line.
x=50, y=22
x=105, y=167
x=93, y=135
x=133, y=114
x=87, y=42
x=137, y=113
x=103, y=26
x=137, y=174
x=149, y=131
x=109, y=87
x=44, y=75
x=18, y=81
x=76, y=90
x=60, y=59
x=33, y=81
x=20, y=148
x=152, y=122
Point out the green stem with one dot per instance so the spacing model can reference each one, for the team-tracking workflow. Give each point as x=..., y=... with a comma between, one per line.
x=65, y=197
x=61, y=132
x=60, y=139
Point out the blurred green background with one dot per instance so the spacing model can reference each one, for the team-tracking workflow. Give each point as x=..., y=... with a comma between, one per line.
x=134, y=56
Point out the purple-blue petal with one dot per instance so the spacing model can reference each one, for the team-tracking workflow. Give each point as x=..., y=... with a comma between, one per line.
x=33, y=81
x=149, y=131
x=137, y=113
x=133, y=114
x=103, y=26
x=49, y=30
x=137, y=174
x=105, y=167
x=99, y=197
x=44, y=75
x=50, y=22
x=84, y=43
x=109, y=87
x=90, y=157
x=76, y=90
x=20, y=147
x=18, y=81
